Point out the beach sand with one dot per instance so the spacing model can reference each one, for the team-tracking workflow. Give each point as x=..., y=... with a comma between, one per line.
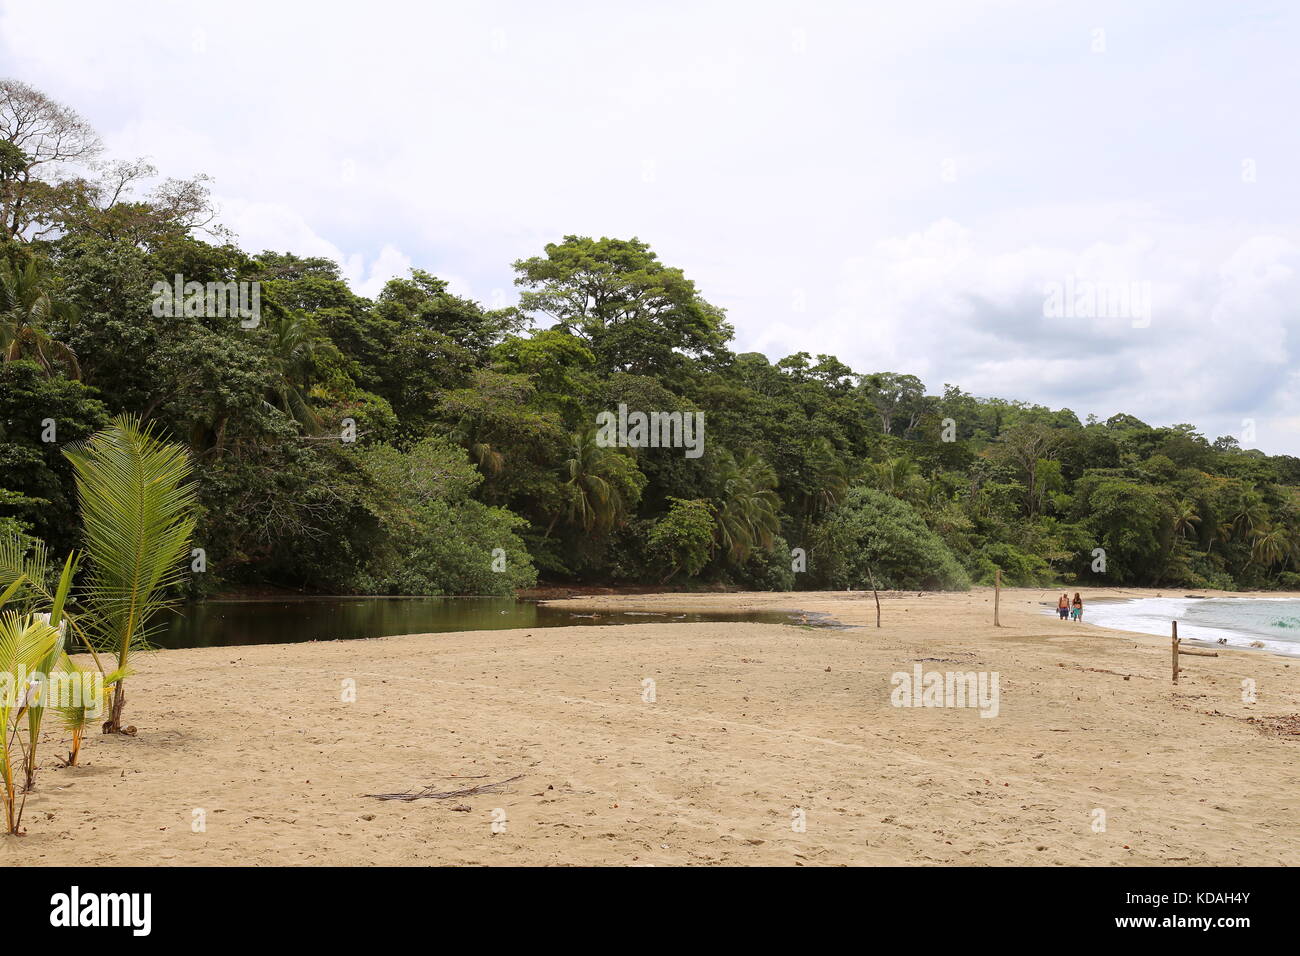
x=750, y=723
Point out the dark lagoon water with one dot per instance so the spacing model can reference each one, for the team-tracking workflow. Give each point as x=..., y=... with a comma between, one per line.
x=292, y=620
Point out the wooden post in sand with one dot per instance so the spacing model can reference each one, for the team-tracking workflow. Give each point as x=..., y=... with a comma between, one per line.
x=997, y=596
x=871, y=577
x=1175, y=650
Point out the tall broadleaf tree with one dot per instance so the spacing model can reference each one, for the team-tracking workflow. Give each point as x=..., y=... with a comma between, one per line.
x=635, y=313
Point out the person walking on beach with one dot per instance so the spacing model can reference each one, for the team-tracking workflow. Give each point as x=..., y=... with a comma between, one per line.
x=1063, y=606
x=1077, y=613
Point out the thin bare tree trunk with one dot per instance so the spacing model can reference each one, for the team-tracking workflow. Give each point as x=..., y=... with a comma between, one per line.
x=872, y=578
x=114, y=723
x=997, y=596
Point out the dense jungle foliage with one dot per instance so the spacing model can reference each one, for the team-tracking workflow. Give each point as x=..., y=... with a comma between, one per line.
x=420, y=443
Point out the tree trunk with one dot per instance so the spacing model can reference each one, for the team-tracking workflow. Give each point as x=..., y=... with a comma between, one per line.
x=114, y=723
x=876, y=594
x=997, y=596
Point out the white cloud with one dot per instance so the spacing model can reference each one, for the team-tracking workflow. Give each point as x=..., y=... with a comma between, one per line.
x=390, y=263
x=949, y=305
x=277, y=227
x=789, y=152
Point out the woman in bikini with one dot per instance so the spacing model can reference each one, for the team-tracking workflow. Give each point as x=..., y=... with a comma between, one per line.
x=1077, y=613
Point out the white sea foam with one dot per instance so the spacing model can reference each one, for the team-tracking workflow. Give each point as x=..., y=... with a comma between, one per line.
x=1273, y=622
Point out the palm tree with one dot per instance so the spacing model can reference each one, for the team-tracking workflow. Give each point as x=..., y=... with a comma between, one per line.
x=1185, y=518
x=1270, y=545
x=829, y=479
x=137, y=512
x=36, y=699
x=26, y=306
x=1222, y=533
x=1250, y=514
x=27, y=562
x=749, y=508
x=895, y=476
x=595, y=498
x=27, y=643
x=75, y=716
x=293, y=353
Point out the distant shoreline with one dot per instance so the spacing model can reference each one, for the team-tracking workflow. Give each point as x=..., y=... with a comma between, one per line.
x=1199, y=624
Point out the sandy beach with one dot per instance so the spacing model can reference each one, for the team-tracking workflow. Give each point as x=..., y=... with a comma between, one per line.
x=752, y=728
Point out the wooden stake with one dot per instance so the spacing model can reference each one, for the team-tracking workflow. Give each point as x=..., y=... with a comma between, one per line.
x=872, y=578
x=1175, y=650
x=997, y=596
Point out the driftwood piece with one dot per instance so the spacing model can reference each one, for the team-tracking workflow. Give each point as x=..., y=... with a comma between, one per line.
x=428, y=793
x=1179, y=649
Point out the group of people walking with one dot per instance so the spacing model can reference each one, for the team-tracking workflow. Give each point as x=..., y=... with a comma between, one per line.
x=1071, y=609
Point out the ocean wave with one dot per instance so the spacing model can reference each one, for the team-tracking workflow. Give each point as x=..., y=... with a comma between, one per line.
x=1237, y=622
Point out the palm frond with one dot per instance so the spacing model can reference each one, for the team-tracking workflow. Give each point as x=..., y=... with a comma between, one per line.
x=137, y=508
x=26, y=643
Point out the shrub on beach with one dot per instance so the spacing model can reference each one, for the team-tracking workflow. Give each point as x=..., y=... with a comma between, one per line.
x=766, y=569
x=461, y=548
x=1018, y=568
x=872, y=534
x=682, y=541
x=436, y=538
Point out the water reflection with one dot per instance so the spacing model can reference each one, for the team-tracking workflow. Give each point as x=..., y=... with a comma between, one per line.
x=292, y=620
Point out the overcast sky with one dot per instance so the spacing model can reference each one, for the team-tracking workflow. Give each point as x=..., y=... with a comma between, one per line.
x=898, y=184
